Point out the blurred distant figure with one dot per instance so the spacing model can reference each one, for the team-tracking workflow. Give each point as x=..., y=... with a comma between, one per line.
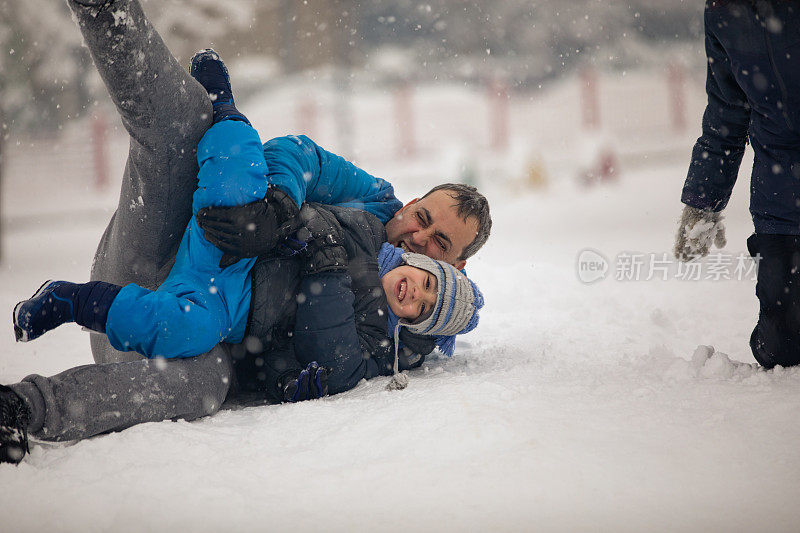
x=753, y=86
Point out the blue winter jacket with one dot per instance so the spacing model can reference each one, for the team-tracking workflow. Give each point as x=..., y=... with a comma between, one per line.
x=306, y=172
x=753, y=87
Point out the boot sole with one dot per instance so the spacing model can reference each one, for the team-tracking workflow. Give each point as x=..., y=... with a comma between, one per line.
x=20, y=334
x=214, y=56
x=94, y=3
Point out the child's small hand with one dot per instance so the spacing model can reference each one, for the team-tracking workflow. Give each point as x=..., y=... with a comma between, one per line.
x=308, y=384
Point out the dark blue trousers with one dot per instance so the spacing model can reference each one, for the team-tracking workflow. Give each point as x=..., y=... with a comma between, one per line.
x=776, y=337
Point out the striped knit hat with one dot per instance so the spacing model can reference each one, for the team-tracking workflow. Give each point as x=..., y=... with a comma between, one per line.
x=457, y=304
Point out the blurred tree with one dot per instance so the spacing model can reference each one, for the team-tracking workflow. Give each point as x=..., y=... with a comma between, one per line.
x=47, y=74
x=190, y=25
x=39, y=61
x=533, y=40
x=45, y=70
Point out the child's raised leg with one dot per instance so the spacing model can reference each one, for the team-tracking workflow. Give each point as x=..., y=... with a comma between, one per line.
x=199, y=303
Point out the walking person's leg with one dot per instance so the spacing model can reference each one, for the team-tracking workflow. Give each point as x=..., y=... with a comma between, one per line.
x=165, y=112
x=776, y=337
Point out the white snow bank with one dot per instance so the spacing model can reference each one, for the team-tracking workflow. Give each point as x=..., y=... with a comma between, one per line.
x=571, y=407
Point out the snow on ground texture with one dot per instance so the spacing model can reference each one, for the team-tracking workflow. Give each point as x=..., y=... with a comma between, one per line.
x=571, y=407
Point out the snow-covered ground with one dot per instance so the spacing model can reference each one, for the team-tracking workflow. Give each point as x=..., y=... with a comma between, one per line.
x=573, y=407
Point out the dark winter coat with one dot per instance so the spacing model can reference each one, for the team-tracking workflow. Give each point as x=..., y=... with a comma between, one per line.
x=336, y=319
x=753, y=86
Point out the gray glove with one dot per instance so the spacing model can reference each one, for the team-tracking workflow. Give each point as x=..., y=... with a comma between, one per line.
x=698, y=228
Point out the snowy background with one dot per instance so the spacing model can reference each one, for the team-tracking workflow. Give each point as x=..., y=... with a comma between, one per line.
x=573, y=406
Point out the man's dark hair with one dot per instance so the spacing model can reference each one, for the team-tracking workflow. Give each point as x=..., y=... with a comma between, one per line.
x=469, y=203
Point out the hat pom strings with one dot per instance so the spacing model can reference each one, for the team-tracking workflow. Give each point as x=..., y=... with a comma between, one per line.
x=447, y=343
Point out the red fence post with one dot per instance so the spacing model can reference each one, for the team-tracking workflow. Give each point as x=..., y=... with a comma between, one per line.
x=404, y=119
x=498, y=114
x=306, y=114
x=590, y=101
x=676, y=80
x=99, y=142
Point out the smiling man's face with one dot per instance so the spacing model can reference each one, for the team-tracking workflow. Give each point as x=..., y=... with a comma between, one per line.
x=432, y=226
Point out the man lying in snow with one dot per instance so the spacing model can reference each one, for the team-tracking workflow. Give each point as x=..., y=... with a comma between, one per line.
x=166, y=118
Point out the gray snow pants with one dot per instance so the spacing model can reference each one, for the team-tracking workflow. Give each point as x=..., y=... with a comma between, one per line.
x=166, y=112
x=93, y=399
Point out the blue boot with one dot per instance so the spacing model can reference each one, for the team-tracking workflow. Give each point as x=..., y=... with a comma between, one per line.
x=59, y=302
x=210, y=71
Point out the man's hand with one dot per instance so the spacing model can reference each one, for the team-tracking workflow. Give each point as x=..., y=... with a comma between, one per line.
x=309, y=384
x=698, y=228
x=252, y=229
x=322, y=234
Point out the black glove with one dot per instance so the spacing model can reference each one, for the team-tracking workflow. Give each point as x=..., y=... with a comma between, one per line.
x=421, y=344
x=322, y=234
x=308, y=384
x=252, y=229
x=408, y=360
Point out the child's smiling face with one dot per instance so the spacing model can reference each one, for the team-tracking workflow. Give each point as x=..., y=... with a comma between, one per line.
x=411, y=292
